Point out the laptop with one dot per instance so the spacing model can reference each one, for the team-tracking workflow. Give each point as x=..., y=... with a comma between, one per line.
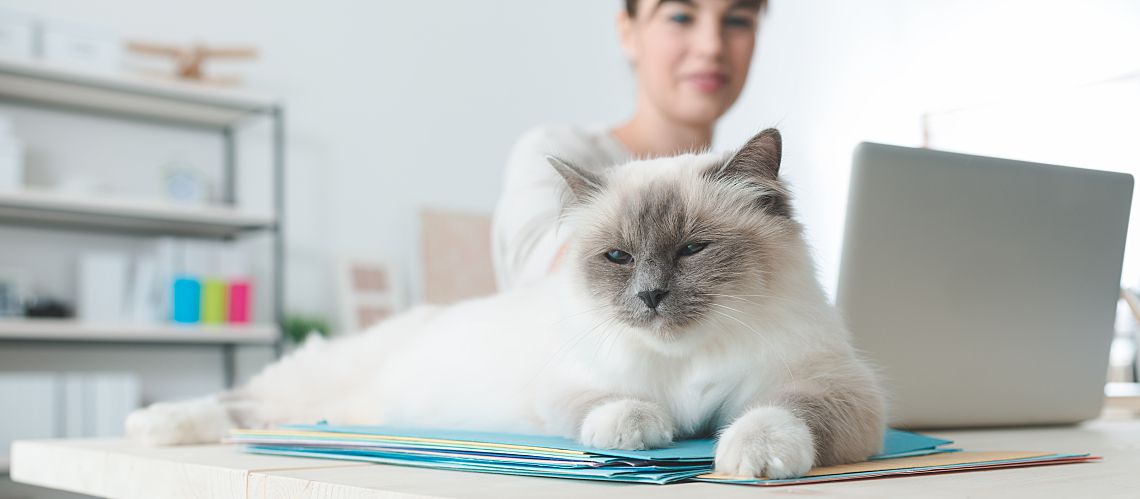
x=983, y=289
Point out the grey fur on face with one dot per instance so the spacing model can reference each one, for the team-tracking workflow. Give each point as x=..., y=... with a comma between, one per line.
x=736, y=215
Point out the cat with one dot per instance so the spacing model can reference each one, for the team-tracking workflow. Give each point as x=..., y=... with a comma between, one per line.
x=686, y=306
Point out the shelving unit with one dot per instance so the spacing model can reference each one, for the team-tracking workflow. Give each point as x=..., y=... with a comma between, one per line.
x=167, y=103
x=46, y=208
x=178, y=102
x=71, y=330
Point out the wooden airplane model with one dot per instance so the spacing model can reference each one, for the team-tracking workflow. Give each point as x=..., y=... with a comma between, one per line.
x=189, y=60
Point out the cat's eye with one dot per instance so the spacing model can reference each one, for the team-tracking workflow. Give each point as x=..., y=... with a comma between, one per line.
x=619, y=257
x=691, y=249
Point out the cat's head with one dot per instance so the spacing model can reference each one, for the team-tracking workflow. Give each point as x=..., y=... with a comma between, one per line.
x=669, y=246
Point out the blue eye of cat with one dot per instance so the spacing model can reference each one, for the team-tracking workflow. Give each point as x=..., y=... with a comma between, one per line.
x=692, y=249
x=681, y=18
x=619, y=257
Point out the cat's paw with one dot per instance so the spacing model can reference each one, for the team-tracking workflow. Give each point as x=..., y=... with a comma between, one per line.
x=627, y=424
x=766, y=441
x=175, y=423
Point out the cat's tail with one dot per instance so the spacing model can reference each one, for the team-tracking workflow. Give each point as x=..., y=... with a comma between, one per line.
x=197, y=421
x=209, y=419
x=330, y=380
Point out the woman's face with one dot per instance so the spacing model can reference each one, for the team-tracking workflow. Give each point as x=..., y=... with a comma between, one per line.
x=691, y=56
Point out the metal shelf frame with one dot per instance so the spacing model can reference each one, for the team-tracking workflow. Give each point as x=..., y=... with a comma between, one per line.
x=31, y=83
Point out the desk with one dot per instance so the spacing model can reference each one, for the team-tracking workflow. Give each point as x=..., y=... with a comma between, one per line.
x=122, y=469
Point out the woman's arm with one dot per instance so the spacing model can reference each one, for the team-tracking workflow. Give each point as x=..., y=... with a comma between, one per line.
x=525, y=238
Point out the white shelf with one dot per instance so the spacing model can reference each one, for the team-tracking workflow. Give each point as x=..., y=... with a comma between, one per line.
x=1123, y=396
x=122, y=94
x=64, y=330
x=126, y=214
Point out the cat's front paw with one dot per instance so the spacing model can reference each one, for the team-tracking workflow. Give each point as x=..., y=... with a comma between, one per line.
x=627, y=424
x=766, y=442
x=175, y=423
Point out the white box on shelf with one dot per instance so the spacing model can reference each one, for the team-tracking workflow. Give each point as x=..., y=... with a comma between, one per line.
x=102, y=287
x=65, y=404
x=81, y=46
x=95, y=404
x=18, y=33
x=144, y=299
x=11, y=158
x=73, y=404
x=32, y=397
x=115, y=395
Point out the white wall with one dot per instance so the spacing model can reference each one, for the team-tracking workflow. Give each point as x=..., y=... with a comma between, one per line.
x=393, y=106
x=833, y=73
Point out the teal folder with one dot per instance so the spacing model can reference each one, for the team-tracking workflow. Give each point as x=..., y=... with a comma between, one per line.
x=530, y=455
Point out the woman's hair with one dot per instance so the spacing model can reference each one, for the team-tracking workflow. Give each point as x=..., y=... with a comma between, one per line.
x=631, y=6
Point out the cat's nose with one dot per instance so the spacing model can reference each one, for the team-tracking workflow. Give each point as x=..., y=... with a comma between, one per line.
x=652, y=297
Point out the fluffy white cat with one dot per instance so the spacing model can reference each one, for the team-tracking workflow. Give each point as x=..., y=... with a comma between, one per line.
x=687, y=306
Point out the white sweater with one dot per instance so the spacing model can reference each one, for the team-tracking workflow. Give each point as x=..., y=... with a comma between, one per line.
x=525, y=231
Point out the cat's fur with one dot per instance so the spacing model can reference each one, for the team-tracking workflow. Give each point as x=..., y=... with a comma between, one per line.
x=743, y=345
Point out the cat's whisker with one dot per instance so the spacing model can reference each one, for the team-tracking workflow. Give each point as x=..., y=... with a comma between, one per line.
x=611, y=336
x=795, y=332
x=735, y=298
x=602, y=324
x=765, y=340
x=764, y=295
x=600, y=337
x=726, y=306
x=568, y=346
x=576, y=314
x=768, y=299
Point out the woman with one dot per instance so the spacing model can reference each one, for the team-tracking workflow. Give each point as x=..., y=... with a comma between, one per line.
x=691, y=59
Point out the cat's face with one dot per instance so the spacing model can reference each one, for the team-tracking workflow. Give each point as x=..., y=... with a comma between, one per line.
x=668, y=244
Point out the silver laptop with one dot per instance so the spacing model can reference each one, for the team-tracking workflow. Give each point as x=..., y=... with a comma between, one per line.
x=984, y=289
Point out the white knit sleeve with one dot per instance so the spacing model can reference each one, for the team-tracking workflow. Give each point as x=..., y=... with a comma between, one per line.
x=525, y=236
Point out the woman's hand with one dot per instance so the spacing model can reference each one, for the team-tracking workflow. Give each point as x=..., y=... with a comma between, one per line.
x=557, y=261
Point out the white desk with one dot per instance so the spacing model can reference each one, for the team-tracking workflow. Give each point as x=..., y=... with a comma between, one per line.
x=121, y=469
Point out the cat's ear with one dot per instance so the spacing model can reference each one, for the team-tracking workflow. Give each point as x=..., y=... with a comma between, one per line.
x=758, y=159
x=582, y=183
x=758, y=164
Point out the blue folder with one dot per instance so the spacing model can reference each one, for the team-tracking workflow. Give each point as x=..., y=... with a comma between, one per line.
x=530, y=455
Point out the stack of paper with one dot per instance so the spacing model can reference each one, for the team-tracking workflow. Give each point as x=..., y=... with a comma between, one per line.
x=484, y=452
x=903, y=453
